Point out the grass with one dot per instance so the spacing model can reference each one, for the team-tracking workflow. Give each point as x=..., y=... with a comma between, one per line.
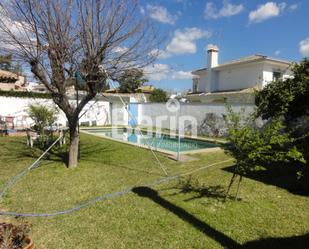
x=182, y=214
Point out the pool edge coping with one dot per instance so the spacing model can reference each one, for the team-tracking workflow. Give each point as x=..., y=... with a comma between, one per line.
x=197, y=151
x=203, y=139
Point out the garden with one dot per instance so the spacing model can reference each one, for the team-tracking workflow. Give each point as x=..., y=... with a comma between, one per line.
x=94, y=192
x=186, y=212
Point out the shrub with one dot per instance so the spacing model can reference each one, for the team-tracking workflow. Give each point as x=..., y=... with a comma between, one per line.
x=158, y=96
x=253, y=147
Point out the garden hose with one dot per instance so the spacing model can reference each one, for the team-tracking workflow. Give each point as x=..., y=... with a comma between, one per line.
x=108, y=196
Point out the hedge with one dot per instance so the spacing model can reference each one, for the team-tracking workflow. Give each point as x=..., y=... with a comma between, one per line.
x=25, y=94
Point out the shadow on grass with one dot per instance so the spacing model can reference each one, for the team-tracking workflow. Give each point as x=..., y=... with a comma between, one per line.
x=283, y=176
x=294, y=242
x=60, y=154
x=21, y=150
x=14, y=150
x=191, y=185
x=184, y=215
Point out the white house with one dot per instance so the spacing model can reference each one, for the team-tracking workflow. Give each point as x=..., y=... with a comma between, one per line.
x=234, y=79
x=12, y=82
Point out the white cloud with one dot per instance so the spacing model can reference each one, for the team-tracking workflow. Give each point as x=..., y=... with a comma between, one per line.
x=157, y=71
x=294, y=6
x=304, y=47
x=120, y=50
x=160, y=72
x=184, y=41
x=160, y=54
x=266, y=11
x=161, y=14
x=277, y=52
x=182, y=75
x=227, y=10
x=10, y=28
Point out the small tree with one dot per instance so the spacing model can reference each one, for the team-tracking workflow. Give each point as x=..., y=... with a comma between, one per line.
x=158, y=95
x=42, y=116
x=253, y=147
x=130, y=80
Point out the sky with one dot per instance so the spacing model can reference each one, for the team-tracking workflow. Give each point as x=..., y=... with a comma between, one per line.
x=238, y=27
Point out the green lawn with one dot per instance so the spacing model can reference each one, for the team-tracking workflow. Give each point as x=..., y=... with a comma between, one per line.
x=179, y=216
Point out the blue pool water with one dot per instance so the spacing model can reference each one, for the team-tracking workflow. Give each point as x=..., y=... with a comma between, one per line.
x=156, y=141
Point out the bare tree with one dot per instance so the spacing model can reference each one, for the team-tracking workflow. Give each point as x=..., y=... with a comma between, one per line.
x=58, y=38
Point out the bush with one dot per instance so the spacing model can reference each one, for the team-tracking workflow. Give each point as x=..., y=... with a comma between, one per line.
x=158, y=96
x=42, y=116
x=253, y=147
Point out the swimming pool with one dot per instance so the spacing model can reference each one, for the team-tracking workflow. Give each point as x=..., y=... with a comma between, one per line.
x=157, y=141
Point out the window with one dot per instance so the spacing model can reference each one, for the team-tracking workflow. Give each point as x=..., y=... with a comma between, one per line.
x=195, y=85
x=276, y=76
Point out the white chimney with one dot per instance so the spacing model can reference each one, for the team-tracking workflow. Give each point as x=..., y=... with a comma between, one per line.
x=212, y=55
x=212, y=61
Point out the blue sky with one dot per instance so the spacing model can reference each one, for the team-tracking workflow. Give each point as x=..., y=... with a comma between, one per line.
x=238, y=27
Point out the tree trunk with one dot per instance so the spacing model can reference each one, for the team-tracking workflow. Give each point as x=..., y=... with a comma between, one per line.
x=230, y=185
x=73, y=150
x=238, y=187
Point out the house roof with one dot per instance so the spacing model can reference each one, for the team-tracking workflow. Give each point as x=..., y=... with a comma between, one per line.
x=146, y=89
x=241, y=96
x=6, y=76
x=244, y=90
x=12, y=87
x=248, y=59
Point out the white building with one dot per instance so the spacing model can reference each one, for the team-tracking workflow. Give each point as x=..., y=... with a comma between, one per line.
x=232, y=80
x=12, y=82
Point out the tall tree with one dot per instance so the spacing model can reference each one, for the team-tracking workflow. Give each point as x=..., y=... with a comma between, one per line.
x=288, y=99
x=130, y=80
x=57, y=38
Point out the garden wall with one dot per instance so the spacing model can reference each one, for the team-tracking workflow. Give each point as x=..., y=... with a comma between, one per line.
x=97, y=113
x=209, y=117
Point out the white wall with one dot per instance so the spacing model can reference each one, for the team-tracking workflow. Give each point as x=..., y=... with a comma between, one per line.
x=104, y=113
x=152, y=111
x=202, y=81
x=268, y=73
x=234, y=78
x=95, y=111
x=255, y=74
x=119, y=114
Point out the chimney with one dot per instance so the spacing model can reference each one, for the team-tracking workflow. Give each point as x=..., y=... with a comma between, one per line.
x=212, y=56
